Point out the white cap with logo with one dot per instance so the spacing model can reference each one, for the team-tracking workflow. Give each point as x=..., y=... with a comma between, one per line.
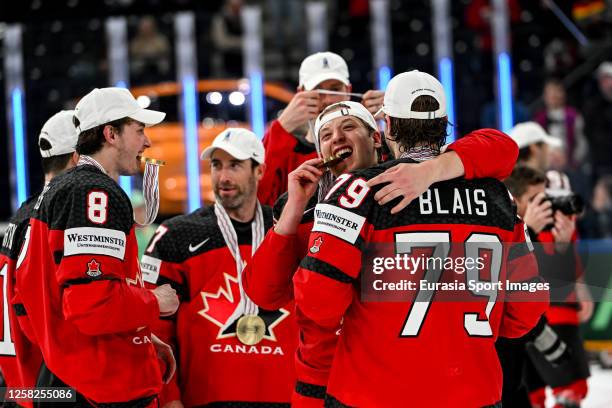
x=345, y=108
x=528, y=133
x=104, y=105
x=322, y=66
x=404, y=88
x=238, y=142
x=60, y=133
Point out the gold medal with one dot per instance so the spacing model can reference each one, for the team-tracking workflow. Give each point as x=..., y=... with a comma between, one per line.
x=152, y=161
x=250, y=329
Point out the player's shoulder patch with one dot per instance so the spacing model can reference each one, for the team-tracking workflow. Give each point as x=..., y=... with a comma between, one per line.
x=338, y=222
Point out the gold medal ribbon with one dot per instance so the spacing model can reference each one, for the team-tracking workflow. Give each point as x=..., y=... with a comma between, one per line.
x=150, y=188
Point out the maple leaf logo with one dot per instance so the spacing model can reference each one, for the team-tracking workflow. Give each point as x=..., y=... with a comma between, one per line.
x=93, y=268
x=137, y=281
x=316, y=245
x=220, y=306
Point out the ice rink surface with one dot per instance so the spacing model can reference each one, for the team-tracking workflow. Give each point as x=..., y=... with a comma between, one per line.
x=600, y=389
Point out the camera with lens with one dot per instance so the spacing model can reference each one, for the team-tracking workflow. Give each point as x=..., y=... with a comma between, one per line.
x=568, y=204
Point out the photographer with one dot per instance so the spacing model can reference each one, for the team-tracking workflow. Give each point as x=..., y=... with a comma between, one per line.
x=550, y=215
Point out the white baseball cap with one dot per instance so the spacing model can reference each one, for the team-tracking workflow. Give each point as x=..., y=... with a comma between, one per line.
x=104, y=105
x=604, y=69
x=238, y=142
x=61, y=134
x=322, y=66
x=528, y=133
x=404, y=88
x=346, y=108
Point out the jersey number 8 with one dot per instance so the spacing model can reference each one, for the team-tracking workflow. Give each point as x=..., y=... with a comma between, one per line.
x=97, y=202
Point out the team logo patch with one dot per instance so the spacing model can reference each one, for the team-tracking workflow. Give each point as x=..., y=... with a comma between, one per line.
x=93, y=269
x=316, y=246
x=338, y=222
x=94, y=241
x=220, y=306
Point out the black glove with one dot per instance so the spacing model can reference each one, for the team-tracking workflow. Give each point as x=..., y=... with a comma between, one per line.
x=547, y=342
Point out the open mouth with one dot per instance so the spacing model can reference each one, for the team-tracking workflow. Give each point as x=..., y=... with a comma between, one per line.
x=226, y=190
x=337, y=157
x=344, y=152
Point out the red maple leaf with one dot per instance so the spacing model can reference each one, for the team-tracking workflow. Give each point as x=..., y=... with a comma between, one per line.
x=93, y=266
x=218, y=307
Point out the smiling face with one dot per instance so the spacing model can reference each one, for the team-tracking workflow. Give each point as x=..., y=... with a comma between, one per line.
x=131, y=143
x=349, y=137
x=234, y=181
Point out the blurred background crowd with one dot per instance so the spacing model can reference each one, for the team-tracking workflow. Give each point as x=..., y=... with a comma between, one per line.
x=558, y=81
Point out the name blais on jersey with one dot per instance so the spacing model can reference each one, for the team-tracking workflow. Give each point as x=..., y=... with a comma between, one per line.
x=461, y=201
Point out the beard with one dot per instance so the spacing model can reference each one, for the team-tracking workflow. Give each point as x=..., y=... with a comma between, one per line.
x=240, y=196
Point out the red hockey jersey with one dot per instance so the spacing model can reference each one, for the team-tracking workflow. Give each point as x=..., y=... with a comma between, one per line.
x=432, y=346
x=82, y=291
x=20, y=360
x=484, y=153
x=214, y=366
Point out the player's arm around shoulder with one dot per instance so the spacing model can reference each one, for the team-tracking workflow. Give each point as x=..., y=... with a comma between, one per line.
x=486, y=153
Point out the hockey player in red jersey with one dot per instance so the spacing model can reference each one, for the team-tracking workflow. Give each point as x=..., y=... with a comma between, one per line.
x=324, y=80
x=267, y=278
x=231, y=352
x=80, y=283
x=402, y=352
x=20, y=359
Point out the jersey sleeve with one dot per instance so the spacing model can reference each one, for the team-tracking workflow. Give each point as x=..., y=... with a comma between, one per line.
x=522, y=308
x=324, y=282
x=267, y=278
x=161, y=265
x=486, y=153
x=96, y=264
x=274, y=181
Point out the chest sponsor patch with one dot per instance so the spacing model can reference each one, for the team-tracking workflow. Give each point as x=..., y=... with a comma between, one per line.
x=338, y=222
x=150, y=268
x=94, y=241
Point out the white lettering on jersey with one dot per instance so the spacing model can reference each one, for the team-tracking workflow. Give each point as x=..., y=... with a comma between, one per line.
x=150, y=268
x=337, y=222
x=141, y=340
x=244, y=349
x=98, y=241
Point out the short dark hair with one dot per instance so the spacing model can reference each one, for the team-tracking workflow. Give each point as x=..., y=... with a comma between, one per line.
x=410, y=132
x=521, y=178
x=91, y=140
x=53, y=164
